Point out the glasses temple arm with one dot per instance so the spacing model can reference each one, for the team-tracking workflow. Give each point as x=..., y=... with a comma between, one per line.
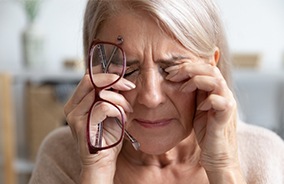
x=103, y=54
x=120, y=41
x=133, y=141
x=111, y=56
x=99, y=135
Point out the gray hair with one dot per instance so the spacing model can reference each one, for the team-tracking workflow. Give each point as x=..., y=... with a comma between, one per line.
x=196, y=24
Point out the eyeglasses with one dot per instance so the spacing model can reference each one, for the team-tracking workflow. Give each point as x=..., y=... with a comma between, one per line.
x=108, y=58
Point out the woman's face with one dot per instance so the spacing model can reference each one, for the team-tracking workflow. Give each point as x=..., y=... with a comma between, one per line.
x=162, y=114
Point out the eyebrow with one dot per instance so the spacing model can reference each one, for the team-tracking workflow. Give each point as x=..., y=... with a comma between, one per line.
x=171, y=60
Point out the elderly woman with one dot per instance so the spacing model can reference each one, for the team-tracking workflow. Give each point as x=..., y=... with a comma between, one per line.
x=156, y=105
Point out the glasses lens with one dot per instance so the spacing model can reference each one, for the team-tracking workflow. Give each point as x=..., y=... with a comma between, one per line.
x=108, y=132
x=107, y=58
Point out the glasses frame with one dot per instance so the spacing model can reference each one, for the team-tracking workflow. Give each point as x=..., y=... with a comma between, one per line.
x=94, y=149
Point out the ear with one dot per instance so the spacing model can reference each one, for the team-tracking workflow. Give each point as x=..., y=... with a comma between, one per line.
x=215, y=58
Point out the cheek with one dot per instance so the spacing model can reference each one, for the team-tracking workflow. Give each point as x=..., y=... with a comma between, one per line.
x=185, y=102
x=186, y=106
x=130, y=96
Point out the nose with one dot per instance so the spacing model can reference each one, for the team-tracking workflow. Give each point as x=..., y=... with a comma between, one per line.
x=151, y=92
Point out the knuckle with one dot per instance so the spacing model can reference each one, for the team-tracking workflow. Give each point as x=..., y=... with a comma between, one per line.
x=221, y=82
x=70, y=119
x=66, y=109
x=231, y=103
x=195, y=79
x=215, y=71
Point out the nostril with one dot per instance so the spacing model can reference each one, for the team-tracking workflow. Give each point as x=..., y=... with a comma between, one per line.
x=150, y=91
x=150, y=96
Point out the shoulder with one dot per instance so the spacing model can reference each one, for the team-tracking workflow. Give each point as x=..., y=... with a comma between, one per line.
x=58, y=159
x=59, y=143
x=261, y=153
x=248, y=133
x=59, y=137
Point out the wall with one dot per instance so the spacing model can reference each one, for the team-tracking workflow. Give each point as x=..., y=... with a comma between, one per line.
x=256, y=26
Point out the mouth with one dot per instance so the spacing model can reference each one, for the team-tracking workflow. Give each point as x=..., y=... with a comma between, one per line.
x=153, y=124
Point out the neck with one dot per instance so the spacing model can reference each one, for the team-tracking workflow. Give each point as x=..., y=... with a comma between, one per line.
x=186, y=152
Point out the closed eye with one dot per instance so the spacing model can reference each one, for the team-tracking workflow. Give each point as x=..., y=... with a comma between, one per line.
x=132, y=68
x=129, y=72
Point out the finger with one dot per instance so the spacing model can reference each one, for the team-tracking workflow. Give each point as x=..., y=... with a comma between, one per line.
x=82, y=108
x=218, y=105
x=103, y=79
x=77, y=118
x=188, y=70
x=116, y=98
x=101, y=111
x=83, y=88
x=206, y=83
x=94, y=115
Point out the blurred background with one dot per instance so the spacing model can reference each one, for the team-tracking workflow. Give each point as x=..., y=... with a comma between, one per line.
x=41, y=63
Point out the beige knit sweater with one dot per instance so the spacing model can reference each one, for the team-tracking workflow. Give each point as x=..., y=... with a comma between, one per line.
x=261, y=155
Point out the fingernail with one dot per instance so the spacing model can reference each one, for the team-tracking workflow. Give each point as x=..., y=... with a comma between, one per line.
x=129, y=84
x=171, y=68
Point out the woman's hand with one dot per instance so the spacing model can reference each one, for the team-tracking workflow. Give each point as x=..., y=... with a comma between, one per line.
x=100, y=165
x=215, y=118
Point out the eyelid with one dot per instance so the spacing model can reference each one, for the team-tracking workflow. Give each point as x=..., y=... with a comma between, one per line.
x=132, y=62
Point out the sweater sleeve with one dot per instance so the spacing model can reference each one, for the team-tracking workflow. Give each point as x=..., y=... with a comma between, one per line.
x=57, y=160
x=261, y=154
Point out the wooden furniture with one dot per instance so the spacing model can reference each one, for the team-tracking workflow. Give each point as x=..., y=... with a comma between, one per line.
x=7, y=129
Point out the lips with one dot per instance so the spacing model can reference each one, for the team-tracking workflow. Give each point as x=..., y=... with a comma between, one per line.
x=153, y=124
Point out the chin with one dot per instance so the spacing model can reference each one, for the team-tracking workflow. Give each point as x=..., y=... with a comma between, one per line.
x=158, y=141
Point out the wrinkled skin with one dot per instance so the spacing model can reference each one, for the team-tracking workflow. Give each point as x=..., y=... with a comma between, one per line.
x=177, y=105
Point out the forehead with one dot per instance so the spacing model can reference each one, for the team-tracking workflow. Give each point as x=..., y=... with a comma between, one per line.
x=128, y=24
x=141, y=34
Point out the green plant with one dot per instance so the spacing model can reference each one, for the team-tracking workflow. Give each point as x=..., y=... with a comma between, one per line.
x=32, y=8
